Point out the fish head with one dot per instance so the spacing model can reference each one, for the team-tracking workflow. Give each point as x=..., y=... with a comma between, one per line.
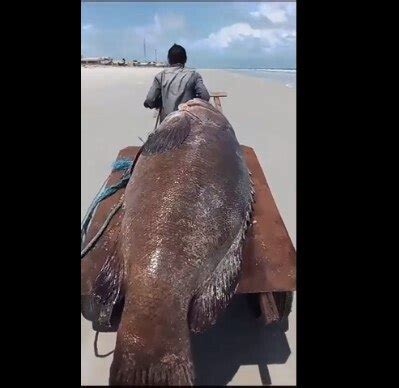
x=204, y=112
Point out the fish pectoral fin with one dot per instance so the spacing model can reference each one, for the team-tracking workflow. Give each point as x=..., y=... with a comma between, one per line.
x=215, y=294
x=170, y=135
x=103, y=306
x=105, y=319
x=108, y=288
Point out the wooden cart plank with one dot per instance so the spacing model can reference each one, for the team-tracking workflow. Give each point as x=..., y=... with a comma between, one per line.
x=269, y=262
x=269, y=257
x=268, y=308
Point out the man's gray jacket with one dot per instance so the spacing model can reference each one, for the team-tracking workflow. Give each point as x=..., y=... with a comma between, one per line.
x=174, y=86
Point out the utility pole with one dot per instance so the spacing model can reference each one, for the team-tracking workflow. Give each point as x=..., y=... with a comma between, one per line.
x=145, y=51
x=156, y=59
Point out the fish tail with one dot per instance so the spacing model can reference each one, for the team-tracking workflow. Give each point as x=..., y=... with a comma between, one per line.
x=146, y=361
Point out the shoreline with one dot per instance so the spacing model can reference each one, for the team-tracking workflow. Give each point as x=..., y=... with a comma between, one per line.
x=286, y=77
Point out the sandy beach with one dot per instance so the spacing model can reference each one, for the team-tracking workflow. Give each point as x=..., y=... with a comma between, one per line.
x=263, y=115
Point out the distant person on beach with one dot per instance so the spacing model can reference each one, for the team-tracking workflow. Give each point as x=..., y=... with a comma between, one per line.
x=175, y=85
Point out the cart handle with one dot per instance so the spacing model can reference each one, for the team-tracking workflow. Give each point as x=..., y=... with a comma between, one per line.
x=216, y=99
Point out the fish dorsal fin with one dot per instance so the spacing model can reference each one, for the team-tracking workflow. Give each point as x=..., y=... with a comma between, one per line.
x=170, y=135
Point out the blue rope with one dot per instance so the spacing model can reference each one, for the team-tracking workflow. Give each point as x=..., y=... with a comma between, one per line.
x=125, y=165
x=122, y=164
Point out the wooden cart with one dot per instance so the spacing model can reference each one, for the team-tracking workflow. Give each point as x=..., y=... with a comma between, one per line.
x=269, y=266
x=269, y=258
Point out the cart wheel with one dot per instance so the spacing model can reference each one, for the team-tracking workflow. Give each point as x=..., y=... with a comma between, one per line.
x=283, y=302
x=284, y=306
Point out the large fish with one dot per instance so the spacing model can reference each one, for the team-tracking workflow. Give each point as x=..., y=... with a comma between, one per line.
x=186, y=211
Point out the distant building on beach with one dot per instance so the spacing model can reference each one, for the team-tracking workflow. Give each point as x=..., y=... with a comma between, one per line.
x=109, y=61
x=96, y=61
x=123, y=62
x=149, y=64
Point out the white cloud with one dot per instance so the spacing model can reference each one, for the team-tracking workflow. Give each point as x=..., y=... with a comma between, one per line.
x=160, y=27
x=274, y=28
x=173, y=22
x=277, y=13
x=238, y=32
x=87, y=27
x=245, y=38
x=160, y=32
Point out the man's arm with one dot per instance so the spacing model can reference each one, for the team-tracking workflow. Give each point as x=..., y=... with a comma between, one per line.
x=200, y=89
x=153, y=99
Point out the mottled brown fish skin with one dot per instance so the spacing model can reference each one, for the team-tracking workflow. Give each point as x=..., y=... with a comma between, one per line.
x=184, y=209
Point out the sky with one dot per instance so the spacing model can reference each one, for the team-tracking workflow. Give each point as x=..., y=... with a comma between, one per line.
x=214, y=34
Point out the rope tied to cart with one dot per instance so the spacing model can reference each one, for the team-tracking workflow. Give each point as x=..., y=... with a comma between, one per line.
x=126, y=165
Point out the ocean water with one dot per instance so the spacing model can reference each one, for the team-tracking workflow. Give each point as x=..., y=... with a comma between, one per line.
x=287, y=77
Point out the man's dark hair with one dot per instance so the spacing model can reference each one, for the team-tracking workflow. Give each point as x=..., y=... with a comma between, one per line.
x=177, y=54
